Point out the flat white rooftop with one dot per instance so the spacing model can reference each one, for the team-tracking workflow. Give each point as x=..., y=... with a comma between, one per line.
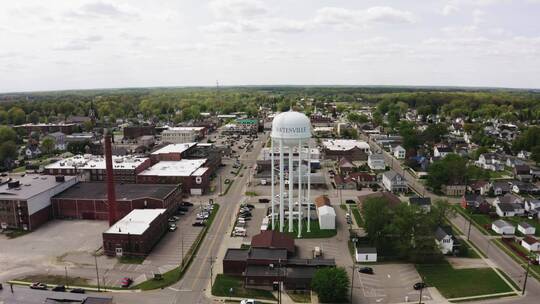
x=88, y=161
x=31, y=185
x=344, y=144
x=174, y=148
x=184, y=167
x=136, y=222
x=173, y=129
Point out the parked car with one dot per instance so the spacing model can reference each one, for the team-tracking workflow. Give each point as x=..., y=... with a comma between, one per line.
x=199, y=223
x=248, y=301
x=172, y=220
x=186, y=204
x=126, y=282
x=38, y=285
x=419, y=285
x=264, y=200
x=172, y=227
x=77, y=290
x=59, y=288
x=183, y=208
x=366, y=270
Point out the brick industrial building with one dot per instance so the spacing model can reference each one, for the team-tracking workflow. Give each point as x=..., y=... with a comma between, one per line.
x=25, y=201
x=89, y=200
x=136, y=233
x=353, y=150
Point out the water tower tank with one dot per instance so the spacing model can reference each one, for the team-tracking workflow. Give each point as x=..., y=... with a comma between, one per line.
x=291, y=127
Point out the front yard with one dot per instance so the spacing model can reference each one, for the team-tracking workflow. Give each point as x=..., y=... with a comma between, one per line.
x=457, y=283
x=224, y=284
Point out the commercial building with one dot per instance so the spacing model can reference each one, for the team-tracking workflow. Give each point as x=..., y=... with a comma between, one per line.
x=136, y=233
x=25, y=201
x=190, y=173
x=242, y=126
x=179, y=135
x=171, y=152
x=92, y=167
x=354, y=150
x=45, y=128
x=89, y=200
x=132, y=132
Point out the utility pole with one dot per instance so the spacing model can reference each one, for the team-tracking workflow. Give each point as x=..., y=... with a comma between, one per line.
x=97, y=273
x=469, y=232
x=526, y=275
x=352, y=281
x=65, y=267
x=211, y=261
x=182, y=248
x=421, y=290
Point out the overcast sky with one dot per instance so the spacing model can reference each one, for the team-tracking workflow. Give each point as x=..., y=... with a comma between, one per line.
x=68, y=44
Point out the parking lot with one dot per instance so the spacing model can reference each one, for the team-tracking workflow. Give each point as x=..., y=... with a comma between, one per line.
x=390, y=283
x=46, y=247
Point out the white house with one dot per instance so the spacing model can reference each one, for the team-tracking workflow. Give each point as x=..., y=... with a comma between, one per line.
x=399, y=152
x=509, y=209
x=366, y=254
x=490, y=161
x=441, y=152
x=503, y=227
x=526, y=228
x=394, y=182
x=444, y=241
x=376, y=162
x=327, y=217
x=530, y=243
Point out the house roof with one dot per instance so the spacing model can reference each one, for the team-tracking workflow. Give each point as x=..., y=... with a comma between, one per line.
x=366, y=250
x=391, y=174
x=525, y=225
x=136, y=222
x=273, y=239
x=262, y=271
x=473, y=197
x=345, y=163
x=441, y=234
x=235, y=254
x=444, y=149
x=344, y=144
x=530, y=240
x=420, y=201
x=506, y=207
x=322, y=200
x=502, y=224
x=267, y=254
x=301, y=272
x=326, y=210
x=376, y=156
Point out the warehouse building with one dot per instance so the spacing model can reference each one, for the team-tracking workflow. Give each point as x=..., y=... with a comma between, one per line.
x=171, y=152
x=92, y=167
x=353, y=150
x=25, y=201
x=88, y=200
x=136, y=233
x=179, y=135
x=190, y=173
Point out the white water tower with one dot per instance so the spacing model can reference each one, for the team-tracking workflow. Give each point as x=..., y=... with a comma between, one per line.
x=291, y=131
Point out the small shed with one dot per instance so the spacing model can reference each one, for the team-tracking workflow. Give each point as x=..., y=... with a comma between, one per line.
x=526, y=228
x=327, y=217
x=503, y=227
x=366, y=254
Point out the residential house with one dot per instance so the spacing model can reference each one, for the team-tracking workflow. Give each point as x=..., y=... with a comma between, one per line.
x=480, y=187
x=503, y=227
x=399, y=152
x=524, y=187
x=376, y=161
x=526, y=228
x=512, y=162
x=535, y=172
x=490, y=161
x=532, y=206
x=454, y=190
x=524, y=154
x=530, y=243
x=441, y=152
x=509, y=209
x=444, y=240
x=508, y=198
x=522, y=173
x=394, y=182
x=32, y=151
x=475, y=202
x=59, y=140
x=345, y=166
x=501, y=187
x=422, y=202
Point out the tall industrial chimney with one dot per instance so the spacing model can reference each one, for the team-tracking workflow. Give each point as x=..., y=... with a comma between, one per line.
x=111, y=194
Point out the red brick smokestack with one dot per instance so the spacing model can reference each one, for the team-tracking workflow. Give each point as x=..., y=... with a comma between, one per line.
x=111, y=194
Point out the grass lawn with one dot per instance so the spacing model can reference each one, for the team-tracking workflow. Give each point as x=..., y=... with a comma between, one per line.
x=223, y=284
x=343, y=207
x=535, y=269
x=478, y=220
x=357, y=217
x=131, y=260
x=55, y=280
x=251, y=193
x=304, y=297
x=316, y=232
x=470, y=251
x=456, y=283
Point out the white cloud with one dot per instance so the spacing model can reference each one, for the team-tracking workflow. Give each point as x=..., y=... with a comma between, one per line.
x=230, y=9
x=449, y=10
x=347, y=18
x=102, y=9
x=79, y=44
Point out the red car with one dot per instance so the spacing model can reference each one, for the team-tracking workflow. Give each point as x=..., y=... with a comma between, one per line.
x=126, y=282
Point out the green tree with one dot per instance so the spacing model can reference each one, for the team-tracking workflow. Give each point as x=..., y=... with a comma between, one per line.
x=441, y=210
x=7, y=134
x=357, y=118
x=376, y=215
x=331, y=284
x=16, y=116
x=47, y=145
x=450, y=170
x=535, y=154
x=434, y=133
x=8, y=153
x=33, y=117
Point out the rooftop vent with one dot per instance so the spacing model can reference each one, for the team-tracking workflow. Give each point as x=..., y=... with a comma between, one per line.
x=13, y=184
